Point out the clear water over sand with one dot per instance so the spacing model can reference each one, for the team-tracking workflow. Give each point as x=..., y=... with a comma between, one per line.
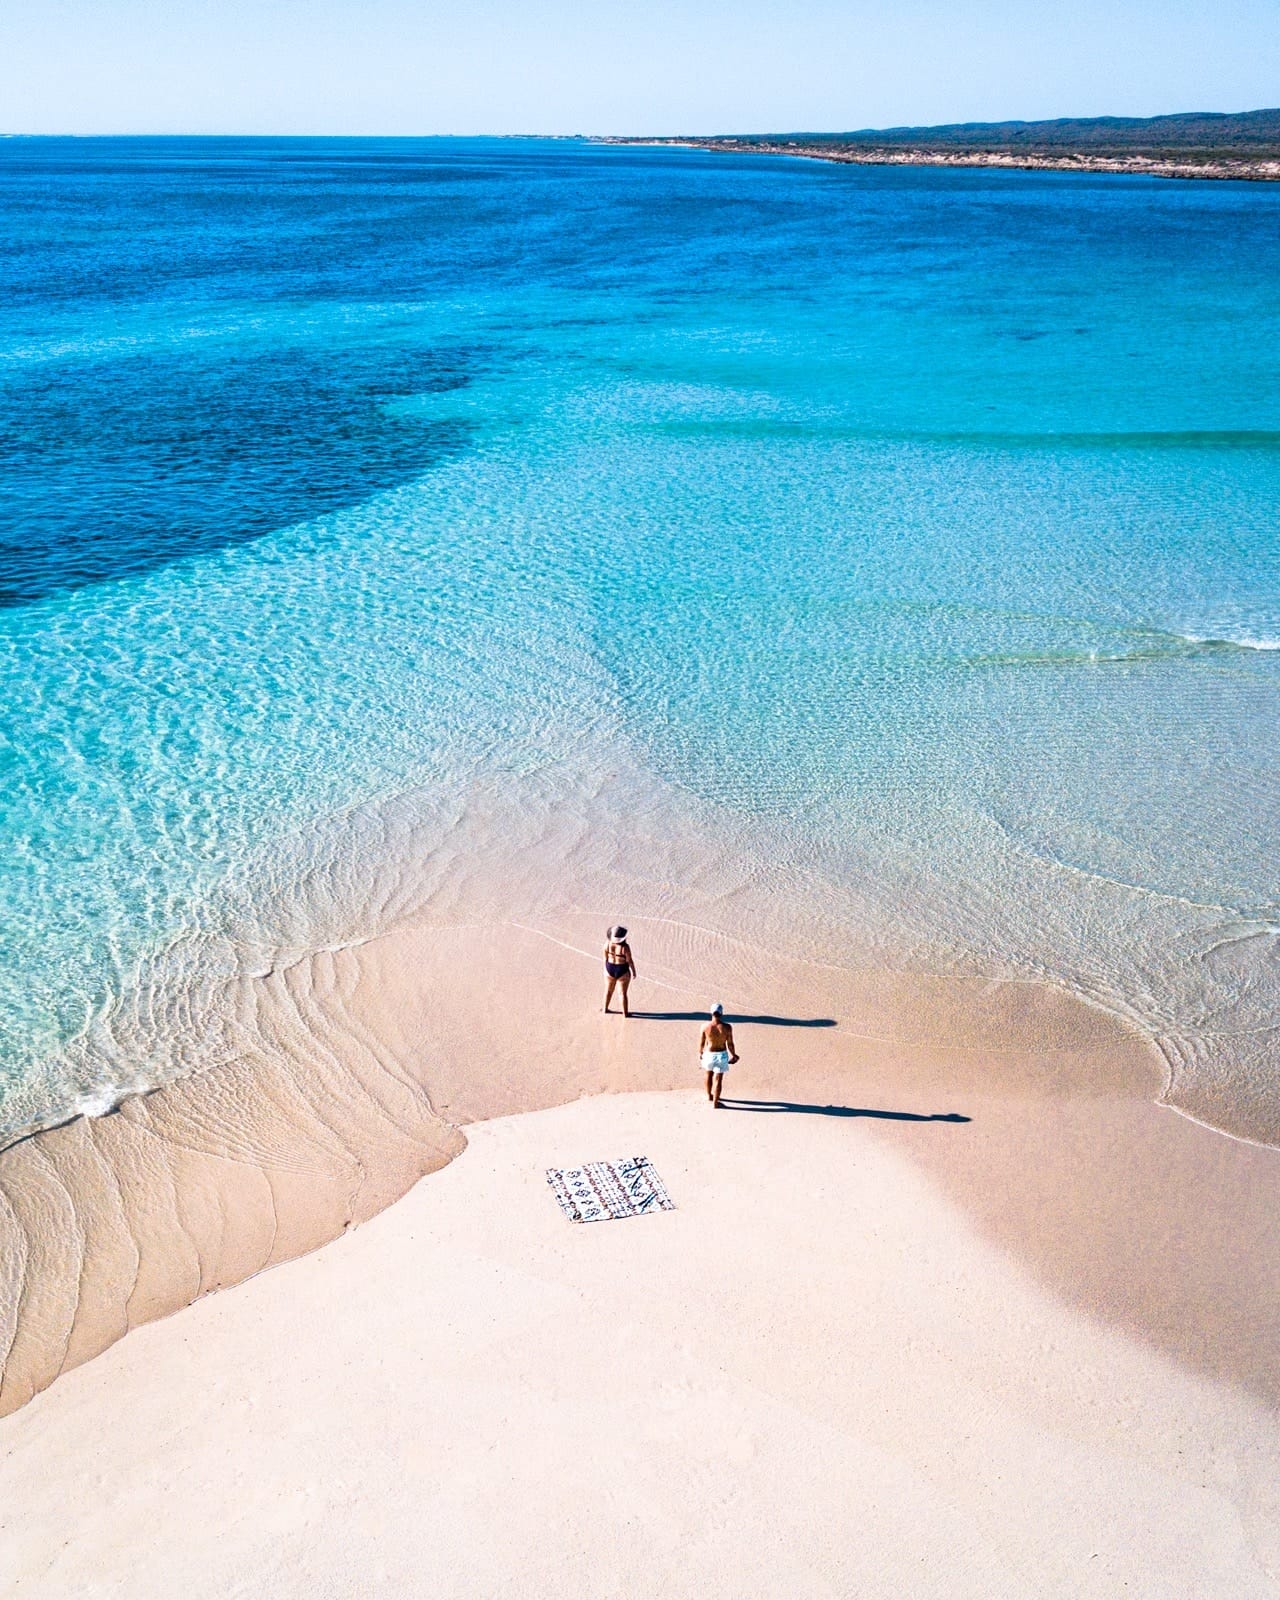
x=912, y=532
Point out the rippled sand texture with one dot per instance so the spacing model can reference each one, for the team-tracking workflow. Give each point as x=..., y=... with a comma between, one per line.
x=112, y=1221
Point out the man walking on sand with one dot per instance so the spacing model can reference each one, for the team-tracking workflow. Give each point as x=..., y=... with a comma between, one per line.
x=716, y=1052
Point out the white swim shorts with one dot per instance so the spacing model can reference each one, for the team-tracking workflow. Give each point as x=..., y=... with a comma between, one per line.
x=715, y=1061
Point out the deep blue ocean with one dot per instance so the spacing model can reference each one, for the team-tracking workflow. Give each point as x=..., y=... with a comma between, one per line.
x=925, y=518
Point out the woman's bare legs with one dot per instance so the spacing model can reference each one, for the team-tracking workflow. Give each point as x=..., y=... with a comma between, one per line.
x=608, y=994
x=625, y=981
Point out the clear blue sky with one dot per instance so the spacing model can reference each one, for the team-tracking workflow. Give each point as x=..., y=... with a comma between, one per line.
x=602, y=66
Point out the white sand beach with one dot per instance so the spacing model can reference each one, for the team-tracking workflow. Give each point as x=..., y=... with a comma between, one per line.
x=813, y=1378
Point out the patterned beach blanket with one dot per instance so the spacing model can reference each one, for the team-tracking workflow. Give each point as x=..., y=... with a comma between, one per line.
x=602, y=1191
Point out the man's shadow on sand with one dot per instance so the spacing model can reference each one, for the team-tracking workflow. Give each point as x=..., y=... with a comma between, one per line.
x=763, y=1021
x=842, y=1111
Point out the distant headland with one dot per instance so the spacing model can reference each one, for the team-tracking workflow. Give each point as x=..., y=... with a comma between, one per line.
x=1197, y=144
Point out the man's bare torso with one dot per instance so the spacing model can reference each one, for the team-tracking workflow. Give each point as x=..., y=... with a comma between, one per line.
x=717, y=1036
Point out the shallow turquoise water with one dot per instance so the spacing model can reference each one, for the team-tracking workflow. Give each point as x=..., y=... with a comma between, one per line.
x=925, y=518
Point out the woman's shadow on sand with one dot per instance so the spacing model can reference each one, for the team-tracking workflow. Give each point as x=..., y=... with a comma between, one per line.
x=761, y=1021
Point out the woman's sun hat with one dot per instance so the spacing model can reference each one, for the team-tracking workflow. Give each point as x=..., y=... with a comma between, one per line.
x=618, y=933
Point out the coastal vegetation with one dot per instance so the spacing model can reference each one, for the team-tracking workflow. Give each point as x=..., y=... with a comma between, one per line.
x=1199, y=144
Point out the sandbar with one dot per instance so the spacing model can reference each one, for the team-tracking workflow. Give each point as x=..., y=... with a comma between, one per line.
x=816, y=1377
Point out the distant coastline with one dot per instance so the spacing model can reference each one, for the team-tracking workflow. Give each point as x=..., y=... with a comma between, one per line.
x=1191, y=145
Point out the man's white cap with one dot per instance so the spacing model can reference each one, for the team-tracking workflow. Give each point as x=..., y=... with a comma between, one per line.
x=717, y=1009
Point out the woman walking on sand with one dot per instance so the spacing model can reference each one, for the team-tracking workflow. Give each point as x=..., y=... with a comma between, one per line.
x=619, y=966
x=716, y=1052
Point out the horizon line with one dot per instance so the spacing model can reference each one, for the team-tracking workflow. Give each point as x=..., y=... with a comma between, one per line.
x=896, y=127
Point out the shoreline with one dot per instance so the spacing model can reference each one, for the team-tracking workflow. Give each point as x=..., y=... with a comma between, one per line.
x=382, y=1056
x=458, y=984
x=1266, y=170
